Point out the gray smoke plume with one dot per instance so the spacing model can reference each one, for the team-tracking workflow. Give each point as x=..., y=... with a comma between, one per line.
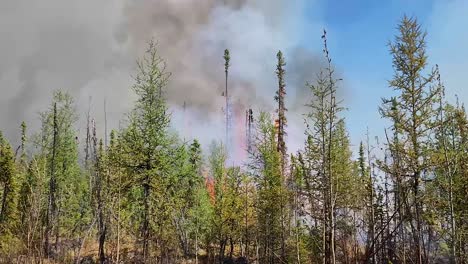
x=89, y=48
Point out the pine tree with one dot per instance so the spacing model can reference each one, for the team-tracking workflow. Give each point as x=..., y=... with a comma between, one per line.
x=117, y=190
x=297, y=185
x=100, y=193
x=280, y=98
x=365, y=173
x=227, y=59
x=218, y=172
x=281, y=143
x=146, y=144
x=187, y=186
x=443, y=192
x=52, y=202
x=67, y=186
x=25, y=189
x=460, y=187
x=271, y=207
x=7, y=185
x=414, y=109
x=329, y=163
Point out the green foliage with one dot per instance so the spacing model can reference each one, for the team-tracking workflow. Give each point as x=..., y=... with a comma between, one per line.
x=150, y=197
x=413, y=113
x=272, y=192
x=227, y=59
x=7, y=187
x=148, y=154
x=71, y=185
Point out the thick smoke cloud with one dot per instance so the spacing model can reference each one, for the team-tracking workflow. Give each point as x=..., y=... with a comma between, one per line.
x=89, y=48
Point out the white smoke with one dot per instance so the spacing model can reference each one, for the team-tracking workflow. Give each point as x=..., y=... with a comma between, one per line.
x=89, y=48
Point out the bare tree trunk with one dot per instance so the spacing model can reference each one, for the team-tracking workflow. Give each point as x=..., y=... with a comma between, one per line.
x=331, y=121
x=371, y=200
x=231, y=249
x=246, y=242
x=355, y=239
x=448, y=170
x=417, y=235
x=51, y=208
x=296, y=205
x=222, y=248
x=324, y=235
x=78, y=256
x=145, y=227
x=226, y=71
x=196, y=245
x=6, y=192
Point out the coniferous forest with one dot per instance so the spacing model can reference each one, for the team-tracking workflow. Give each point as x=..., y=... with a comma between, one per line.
x=141, y=194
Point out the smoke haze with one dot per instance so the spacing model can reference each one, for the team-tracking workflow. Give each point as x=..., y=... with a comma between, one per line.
x=89, y=48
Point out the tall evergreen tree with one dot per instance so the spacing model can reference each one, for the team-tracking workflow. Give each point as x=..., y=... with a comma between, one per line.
x=266, y=161
x=218, y=172
x=280, y=98
x=328, y=155
x=146, y=145
x=7, y=185
x=66, y=184
x=414, y=108
x=227, y=59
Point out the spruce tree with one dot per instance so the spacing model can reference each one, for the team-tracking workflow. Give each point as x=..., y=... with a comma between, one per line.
x=227, y=59
x=280, y=98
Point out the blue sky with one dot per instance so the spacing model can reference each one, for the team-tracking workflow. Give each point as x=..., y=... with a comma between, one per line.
x=359, y=32
x=105, y=47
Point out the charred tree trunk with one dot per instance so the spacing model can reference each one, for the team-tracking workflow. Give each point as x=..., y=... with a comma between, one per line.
x=52, y=203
